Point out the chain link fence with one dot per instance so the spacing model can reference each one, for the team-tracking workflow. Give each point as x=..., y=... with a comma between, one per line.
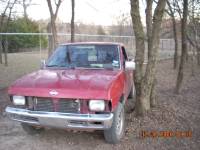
x=38, y=42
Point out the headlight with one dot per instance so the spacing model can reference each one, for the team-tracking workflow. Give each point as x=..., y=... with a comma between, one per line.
x=97, y=105
x=18, y=100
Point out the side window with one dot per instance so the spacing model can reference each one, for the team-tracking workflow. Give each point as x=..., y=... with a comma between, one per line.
x=125, y=58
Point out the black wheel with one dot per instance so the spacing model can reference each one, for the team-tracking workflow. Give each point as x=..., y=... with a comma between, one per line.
x=116, y=132
x=132, y=92
x=130, y=104
x=31, y=129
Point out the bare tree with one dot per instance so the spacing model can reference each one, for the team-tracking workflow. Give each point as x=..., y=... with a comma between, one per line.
x=7, y=24
x=123, y=22
x=171, y=13
x=193, y=34
x=26, y=4
x=173, y=8
x=141, y=103
x=3, y=16
x=149, y=34
x=72, y=21
x=4, y=27
x=52, y=25
x=144, y=81
x=194, y=41
x=149, y=22
x=184, y=46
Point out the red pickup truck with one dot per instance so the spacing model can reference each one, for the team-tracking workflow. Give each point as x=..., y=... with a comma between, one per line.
x=81, y=86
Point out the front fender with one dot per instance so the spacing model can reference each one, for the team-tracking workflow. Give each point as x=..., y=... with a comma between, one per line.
x=116, y=90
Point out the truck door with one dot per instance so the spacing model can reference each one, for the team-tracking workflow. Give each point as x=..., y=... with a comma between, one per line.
x=128, y=74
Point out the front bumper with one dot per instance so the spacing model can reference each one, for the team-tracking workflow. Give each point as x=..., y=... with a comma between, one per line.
x=61, y=120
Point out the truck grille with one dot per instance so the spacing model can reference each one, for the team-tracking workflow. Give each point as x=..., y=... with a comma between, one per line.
x=49, y=105
x=43, y=104
x=69, y=106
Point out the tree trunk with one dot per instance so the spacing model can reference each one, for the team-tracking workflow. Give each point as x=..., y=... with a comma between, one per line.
x=153, y=47
x=50, y=40
x=196, y=46
x=192, y=59
x=141, y=104
x=144, y=83
x=1, y=60
x=149, y=21
x=184, y=47
x=6, y=29
x=25, y=9
x=153, y=100
x=54, y=35
x=53, y=23
x=149, y=39
x=176, y=53
x=6, y=51
x=171, y=13
x=187, y=54
x=3, y=16
x=72, y=21
x=198, y=56
x=175, y=42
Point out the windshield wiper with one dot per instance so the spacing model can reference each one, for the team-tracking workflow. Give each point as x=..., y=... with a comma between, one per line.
x=52, y=65
x=100, y=68
x=109, y=68
x=58, y=66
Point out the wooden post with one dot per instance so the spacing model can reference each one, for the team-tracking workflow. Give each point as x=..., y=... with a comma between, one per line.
x=50, y=40
x=6, y=51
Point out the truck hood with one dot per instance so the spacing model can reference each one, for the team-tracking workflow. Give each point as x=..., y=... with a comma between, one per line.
x=77, y=83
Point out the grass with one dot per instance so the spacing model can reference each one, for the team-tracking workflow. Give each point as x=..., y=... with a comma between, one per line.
x=19, y=64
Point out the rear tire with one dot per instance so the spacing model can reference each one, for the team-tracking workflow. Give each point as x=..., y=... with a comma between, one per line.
x=31, y=130
x=132, y=92
x=116, y=132
x=130, y=104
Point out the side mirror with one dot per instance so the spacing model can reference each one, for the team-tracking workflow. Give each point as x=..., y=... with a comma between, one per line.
x=130, y=65
x=131, y=59
x=42, y=64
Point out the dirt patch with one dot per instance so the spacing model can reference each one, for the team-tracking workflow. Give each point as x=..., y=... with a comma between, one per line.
x=173, y=113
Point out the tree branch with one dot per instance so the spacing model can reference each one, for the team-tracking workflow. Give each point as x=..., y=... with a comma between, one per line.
x=57, y=8
x=50, y=8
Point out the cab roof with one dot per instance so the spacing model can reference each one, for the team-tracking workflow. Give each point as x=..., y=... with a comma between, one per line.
x=94, y=43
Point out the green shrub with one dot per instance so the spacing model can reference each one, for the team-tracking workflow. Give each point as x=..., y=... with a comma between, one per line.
x=17, y=42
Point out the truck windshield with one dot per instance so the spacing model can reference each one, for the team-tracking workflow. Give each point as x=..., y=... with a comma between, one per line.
x=85, y=56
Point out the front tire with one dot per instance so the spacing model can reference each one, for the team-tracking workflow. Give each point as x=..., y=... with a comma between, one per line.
x=31, y=130
x=116, y=132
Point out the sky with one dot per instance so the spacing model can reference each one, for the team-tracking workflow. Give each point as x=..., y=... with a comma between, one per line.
x=100, y=12
x=87, y=11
